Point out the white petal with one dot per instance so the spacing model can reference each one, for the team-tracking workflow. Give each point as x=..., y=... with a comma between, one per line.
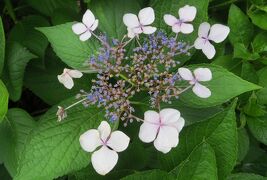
x=209, y=50
x=88, y=18
x=146, y=16
x=66, y=80
x=104, y=130
x=130, y=20
x=78, y=28
x=75, y=73
x=170, y=19
x=203, y=74
x=201, y=91
x=149, y=29
x=199, y=43
x=187, y=13
x=118, y=141
x=179, y=124
x=203, y=29
x=169, y=115
x=130, y=34
x=218, y=32
x=151, y=116
x=90, y=140
x=148, y=132
x=176, y=28
x=137, y=30
x=187, y=28
x=186, y=74
x=94, y=26
x=168, y=137
x=85, y=36
x=104, y=160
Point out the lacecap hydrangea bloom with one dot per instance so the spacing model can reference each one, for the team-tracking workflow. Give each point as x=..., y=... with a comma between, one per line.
x=150, y=67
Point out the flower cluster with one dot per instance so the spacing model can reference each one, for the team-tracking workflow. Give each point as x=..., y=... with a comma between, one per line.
x=151, y=67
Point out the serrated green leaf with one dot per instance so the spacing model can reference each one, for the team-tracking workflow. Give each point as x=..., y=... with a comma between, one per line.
x=224, y=86
x=241, y=27
x=258, y=127
x=13, y=133
x=245, y=176
x=253, y=108
x=25, y=34
x=2, y=46
x=67, y=45
x=17, y=58
x=199, y=165
x=3, y=100
x=260, y=42
x=259, y=18
x=152, y=174
x=55, y=146
x=110, y=14
x=219, y=131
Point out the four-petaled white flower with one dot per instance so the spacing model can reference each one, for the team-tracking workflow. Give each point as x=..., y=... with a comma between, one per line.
x=216, y=33
x=200, y=74
x=163, y=128
x=137, y=25
x=186, y=14
x=66, y=77
x=104, y=159
x=88, y=25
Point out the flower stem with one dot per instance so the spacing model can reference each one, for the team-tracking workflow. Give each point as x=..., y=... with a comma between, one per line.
x=128, y=80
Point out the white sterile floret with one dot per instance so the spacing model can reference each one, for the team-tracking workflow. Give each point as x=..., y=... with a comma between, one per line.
x=137, y=25
x=186, y=14
x=106, y=157
x=66, y=77
x=163, y=128
x=207, y=33
x=86, y=27
x=200, y=74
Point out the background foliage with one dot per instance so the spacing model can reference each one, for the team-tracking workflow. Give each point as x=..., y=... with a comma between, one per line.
x=225, y=136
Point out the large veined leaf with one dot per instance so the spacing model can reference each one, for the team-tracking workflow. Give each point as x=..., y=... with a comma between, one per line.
x=219, y=131
x=241, y=27
x=24, y=33
x=110, y=14
x=13, y=133
x=17, y=58
x=3, y=100
x=224, y=86
x=48, y=7
x=53, y=148
x=258, y=127
x=68, y=46
x=262, y=93
x=200, y=164
x=2, y=46
x=152, y=174
x=245, y=176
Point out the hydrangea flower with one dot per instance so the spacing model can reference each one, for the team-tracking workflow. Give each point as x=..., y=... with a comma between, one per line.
x=207, y=33
x=137, y=25
x=186, y=14
x=163, y=128
x=200, y=74
x=66, y=77
x=106, y=157
x=88, y=25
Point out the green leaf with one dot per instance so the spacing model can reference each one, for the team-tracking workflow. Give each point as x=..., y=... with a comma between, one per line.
x=200, y=164
x=110, y=14
x=55, y=146
x=224, y=86
x=243, y=144
x=260, y=42
x=259, y=18
x=229, y=63
x=219, y=131
x=258, y=127
x=245, y=176
x=68, y=46
x=17, y=58
x=262, y=93
x=240, y=51
x=3, y=173
x=47, y=7
x=25, y=34
x=2, y=46
x=252, y=108
x=3, y=100
x=152, y=174
x=241, y=27
x=13, y=133
x=43, y=82
x=64, y=15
